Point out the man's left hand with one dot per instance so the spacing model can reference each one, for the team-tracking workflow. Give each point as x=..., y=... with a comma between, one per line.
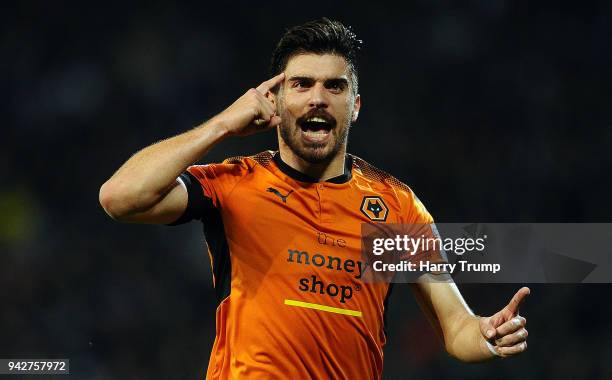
x=504, y=332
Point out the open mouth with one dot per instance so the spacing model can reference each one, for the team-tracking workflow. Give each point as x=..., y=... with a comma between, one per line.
x=316, y=128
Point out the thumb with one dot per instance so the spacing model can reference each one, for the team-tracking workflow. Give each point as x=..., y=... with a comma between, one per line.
x=518, y=299
x=486, y=328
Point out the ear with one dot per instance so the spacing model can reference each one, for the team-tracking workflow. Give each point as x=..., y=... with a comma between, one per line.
x=356, y=108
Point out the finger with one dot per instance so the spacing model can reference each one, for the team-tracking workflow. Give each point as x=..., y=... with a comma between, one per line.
x=497, y=319
x=275, y=121
x=265, y=110
x=262, y=107
x=267, y=107
x=270, y=83
x=513, y=350
x=512, y=339
x=518, y=298
x=511, y=326
x=486, y=328
x=261, y=122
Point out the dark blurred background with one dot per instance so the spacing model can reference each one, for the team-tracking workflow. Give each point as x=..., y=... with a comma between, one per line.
x=491, y=110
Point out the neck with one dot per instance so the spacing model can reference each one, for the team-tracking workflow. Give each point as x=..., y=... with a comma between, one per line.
x=321, y=171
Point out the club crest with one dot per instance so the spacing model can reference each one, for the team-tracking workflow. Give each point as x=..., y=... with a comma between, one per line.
x=374, y=208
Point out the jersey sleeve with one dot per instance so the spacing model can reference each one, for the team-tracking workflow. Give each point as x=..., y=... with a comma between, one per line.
x=420, y=224
x=208, y=187
x=416, y=211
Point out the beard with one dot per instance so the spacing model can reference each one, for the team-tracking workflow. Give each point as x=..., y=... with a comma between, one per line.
x=310, y=151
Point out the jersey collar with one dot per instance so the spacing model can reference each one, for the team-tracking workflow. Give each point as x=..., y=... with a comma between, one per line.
x=299, y=176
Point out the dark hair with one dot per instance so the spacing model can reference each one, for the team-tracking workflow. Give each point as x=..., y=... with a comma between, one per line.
x=322, y=36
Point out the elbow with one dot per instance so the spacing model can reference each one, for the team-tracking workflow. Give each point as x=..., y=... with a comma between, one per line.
x=117, y=202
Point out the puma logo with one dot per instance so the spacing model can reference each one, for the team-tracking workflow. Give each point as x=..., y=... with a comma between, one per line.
x=281, y=196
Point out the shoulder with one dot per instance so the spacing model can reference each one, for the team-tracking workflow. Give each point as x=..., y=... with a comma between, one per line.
x=381, y=181
x=377, y=177
x=233, y=166
x=260, y=159
x=218, y=180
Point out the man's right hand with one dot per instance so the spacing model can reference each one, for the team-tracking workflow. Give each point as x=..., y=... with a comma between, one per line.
x=145, y=189
x=253, y=112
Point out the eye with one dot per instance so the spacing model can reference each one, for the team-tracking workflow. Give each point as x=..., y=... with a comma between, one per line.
x=301, y=83
x=335, y=86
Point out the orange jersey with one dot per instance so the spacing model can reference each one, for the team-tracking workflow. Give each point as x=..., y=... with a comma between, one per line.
x=286, y=258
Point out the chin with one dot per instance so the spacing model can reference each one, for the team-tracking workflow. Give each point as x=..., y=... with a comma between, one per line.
x=310, y=152
x=316, y=155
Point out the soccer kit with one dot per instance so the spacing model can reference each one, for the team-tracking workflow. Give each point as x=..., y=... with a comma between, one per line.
x=287, y=266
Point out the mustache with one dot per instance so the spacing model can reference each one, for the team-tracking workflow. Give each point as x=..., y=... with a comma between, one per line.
x=317, y=112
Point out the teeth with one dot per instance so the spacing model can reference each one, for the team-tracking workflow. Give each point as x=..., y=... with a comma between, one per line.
x=316, y=133
x=317, y=120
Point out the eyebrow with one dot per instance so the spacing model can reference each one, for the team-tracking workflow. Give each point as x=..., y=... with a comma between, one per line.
x=341, y=80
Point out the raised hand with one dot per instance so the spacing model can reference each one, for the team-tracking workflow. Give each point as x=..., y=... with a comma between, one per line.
x=505, y=330
x=253, y=112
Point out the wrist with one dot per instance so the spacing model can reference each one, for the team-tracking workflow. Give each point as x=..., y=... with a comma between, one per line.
x=489, y=349
x=218, y=127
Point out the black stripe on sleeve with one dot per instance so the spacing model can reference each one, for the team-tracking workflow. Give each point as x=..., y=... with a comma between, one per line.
x=218, y=247
x=197, y=202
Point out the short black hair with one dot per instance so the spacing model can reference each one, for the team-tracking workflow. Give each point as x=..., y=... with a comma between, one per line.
x=322, y=36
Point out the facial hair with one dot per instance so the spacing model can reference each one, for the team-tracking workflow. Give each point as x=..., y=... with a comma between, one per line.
x=312, y=152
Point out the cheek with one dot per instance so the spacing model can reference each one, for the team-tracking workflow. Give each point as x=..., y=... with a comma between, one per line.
x=343, y=104
x=292, y=110
x=297, y=100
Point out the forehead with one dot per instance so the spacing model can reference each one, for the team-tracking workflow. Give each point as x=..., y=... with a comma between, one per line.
x=317, y=66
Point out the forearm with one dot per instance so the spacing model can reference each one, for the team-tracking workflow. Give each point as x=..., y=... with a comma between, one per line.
x=465, y=341
x=146, y=177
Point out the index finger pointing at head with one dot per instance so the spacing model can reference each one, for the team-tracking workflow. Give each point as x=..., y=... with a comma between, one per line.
x=270, y=83
x=518, y=298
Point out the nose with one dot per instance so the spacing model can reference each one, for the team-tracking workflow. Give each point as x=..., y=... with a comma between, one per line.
x=318, y=98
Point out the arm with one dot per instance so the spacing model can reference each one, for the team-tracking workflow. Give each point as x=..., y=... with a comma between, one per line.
x=145, y=189
x=468, y=337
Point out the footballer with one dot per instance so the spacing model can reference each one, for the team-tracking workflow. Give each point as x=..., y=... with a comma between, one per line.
x=283, y=227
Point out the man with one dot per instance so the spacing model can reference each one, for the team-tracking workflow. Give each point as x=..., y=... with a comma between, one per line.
x=283, y=228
